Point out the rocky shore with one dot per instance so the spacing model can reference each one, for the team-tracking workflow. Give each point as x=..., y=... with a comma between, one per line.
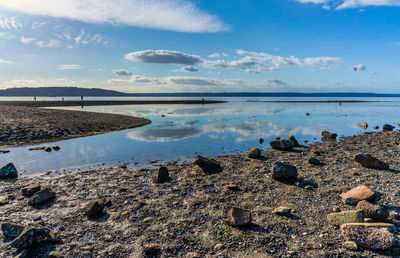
x=331, y=199
x=22, y=124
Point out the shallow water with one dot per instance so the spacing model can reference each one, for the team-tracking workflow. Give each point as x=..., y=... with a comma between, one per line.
x=215, y=129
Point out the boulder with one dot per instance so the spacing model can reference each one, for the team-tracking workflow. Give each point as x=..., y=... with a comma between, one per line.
x=30, y=190
x=31, y=237
x=357, y=194
x=11, y=231
x=94, y=209
x=372, y=210
x=294, y=140
x=237, y=217
x=343, y=217
x=282, y=145
x=369, y=161
x=206, y=163
x=387, y=127
x=369, y=235
x=42, y=197
x=8, y=171
x=162, y=175
x=282, y=211
x=328, y=134
x=363, y=125
x=254, y=153
x=283, y=171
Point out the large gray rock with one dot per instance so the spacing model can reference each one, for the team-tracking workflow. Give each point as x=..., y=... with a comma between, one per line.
x=237, y=217
x=206, y=163
x=282, y=145
x=343, y=217
x=162, y=175
x=369, y=161
x=280, y=171
x=8, y=171
x=372, y=210
x=31, y=237
x=42, y=197
x=11, y=231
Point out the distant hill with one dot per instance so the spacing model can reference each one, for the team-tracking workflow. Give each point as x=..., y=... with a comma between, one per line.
x=95, y=92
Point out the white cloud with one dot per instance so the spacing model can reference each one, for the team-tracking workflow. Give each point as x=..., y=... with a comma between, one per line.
x=69, y=67
x=186, y=69
x=50, y=43
x=359, y=67
x=163, y=57
x=174, y=15
x=344, y=4
x=122, y=72
x=2, y=61
x=27, y=40
x=9, y=22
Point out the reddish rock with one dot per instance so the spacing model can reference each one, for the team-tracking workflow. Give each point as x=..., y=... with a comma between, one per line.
x=254, y=153
x=372, y=210
x=237, y=217
x=357, y=194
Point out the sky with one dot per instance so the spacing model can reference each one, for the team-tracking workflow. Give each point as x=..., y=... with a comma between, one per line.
x=202, y=45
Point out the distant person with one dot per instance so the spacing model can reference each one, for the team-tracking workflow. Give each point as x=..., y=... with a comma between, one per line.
x=81, y=98
x=34, y=98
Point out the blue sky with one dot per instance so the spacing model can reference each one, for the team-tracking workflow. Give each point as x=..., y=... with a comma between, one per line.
x=202, y=45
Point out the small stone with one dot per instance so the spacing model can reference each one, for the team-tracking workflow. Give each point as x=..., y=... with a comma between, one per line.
x=233, y=187
x=47, y=149
x=314, y=162
x=30, y=190
x=56, y=148
x=254, y=153
x=55, y=237
x=107, y=238
x=394, y=215
x=151, y=249
x=368, y=220
x=4, y=202
x=283, y=171
x=368, y=161
x=11, y=231
x=8, y=171
x=282, y=211
x=282, y=145
x=261, y=141
x=219, y=246
x=343, y=217
x=55, y=254
x=372, y=210
x=162, y=175
x=329, y=134
x=148, y=219
x=31, y=237
x=206, y=163
x=387, y=127
x=87, y=248
x=357, y=194
x=368, y=235
x=351, y=245
x=294, y=140
x=363, y=125
x=376, y=127
x=42, y=197
x=94, y=209
x=316, y=153
x=237, y=217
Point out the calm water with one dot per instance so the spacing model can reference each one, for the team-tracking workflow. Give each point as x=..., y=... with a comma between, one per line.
x=190, y=130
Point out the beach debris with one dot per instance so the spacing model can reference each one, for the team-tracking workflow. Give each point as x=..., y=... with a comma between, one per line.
x=55, y=254
x=152, y=249
x=363, y=125
x=282, y=145
x=56, y=148
x=329, y=134
x=30, y=190
x=343, y=217
x=207, y=163
x=351, y=245
x=94, y=209
x=280, y=171
x=368, y=161
x=387, y=127
x=314, y=162
x=237, y=217
x=254, y=153
x=372, y=210
x=261, y=140
x=282, y=211
x=294, y=140
x=162, y=175
x=42, y=197
x=360, y=193
x=376, y=127
x=11, y=231
x=31, y=236
x=369, y=235
x=8, y=171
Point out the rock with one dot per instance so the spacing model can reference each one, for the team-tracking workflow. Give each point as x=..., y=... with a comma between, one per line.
x=56, y=148
x=328, y=139
x=4, y=202
x=8, y=171
x=394, y=215
x=283, y=171
x=343, y=217
x=282, y=211
x=11, y=231
x=329, y=134
x=368, y=235
x=87, y=248
x=261, y=141
x=294, y=140
x=151, y=249
x=363, y=125
x=307, y=114
x=47, y=149
x=237, y=217
x=37, y=148
x=219, y=246
x=376, y=127
x=206, y=163
x=42, y=197
x=30, y=190
x=147, y=219
x=31, y=237
x=357, y=194
x=162, y=175
x=94, y=209
x=314, y=162
x=108, y=238
x=55, y=237
x=372, y=210
x=4, y=151
x=232, y=187
x=368, y=161
x=351, y=245
x=254, y=153
x=282, y=145
x=368, y=220
x=387, y=127
x=55, y=254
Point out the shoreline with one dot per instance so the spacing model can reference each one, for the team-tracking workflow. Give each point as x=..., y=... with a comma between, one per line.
x=188, y=207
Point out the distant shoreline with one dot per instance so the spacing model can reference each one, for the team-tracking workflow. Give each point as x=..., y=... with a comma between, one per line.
x=317, y=101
